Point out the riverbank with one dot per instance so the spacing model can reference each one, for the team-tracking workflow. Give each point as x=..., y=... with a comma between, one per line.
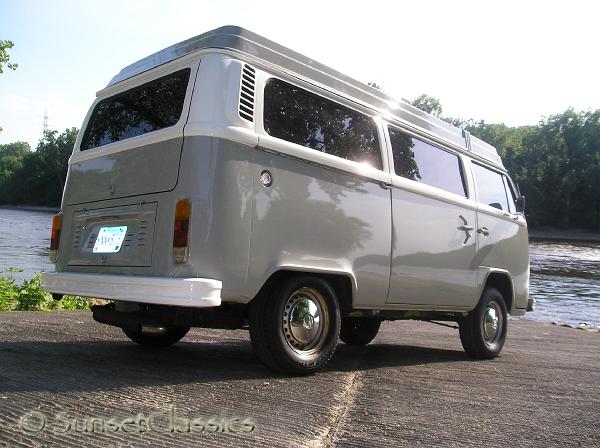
x=563, y=235
x=30, y=208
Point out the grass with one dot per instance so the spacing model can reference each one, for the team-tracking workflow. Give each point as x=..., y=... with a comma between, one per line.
x=29, y=296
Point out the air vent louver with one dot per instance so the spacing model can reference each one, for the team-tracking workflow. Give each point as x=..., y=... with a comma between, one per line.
x=247, y=88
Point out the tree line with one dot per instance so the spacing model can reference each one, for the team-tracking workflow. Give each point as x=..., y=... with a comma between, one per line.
x=556, y=164
x=36, y=177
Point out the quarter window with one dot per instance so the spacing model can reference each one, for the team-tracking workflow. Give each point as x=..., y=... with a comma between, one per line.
x=417, y=160
x=491, y=188
x=307, y=119
x=152, y=106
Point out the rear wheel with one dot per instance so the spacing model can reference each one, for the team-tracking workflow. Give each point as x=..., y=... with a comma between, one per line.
x=483, y=331
x=169, y=336
x=295, y=328
x=359, y=330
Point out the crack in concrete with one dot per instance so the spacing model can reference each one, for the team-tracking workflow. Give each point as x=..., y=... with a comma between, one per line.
x=345, y=401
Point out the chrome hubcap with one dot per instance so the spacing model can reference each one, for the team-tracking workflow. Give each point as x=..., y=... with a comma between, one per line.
x=492, y=323
x=304, y=321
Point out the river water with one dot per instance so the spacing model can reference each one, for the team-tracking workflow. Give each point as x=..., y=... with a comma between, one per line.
x=565, y=277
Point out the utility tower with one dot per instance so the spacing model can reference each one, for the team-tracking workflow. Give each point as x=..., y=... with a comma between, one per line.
x=45, y=121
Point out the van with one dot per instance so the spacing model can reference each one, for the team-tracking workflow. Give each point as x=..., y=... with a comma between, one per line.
x=229, y=182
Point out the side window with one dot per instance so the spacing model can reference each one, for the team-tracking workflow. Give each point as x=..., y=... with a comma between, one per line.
x=304, y=118
x=419, y=161
x=152, y=106
x=491, y=188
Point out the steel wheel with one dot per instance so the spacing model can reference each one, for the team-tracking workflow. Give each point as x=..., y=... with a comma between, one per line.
x=492, y=324
x=295, y=328
x=483, y=331
x=304, y=321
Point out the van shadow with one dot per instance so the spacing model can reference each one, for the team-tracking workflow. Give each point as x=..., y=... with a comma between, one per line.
x=43, y=366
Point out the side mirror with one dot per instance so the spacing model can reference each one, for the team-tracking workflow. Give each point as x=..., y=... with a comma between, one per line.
x=520, y=204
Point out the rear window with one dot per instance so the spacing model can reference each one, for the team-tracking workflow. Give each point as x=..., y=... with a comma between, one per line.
x=417, y=160
x=152, y=106
x=307, y=119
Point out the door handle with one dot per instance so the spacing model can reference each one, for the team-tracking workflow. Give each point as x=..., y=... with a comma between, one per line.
x=465, y=227
x=484, y=231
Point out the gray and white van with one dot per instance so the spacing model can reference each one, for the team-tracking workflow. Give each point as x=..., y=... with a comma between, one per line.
x=229, y=182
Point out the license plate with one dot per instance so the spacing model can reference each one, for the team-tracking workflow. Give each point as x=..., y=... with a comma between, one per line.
x=109, y=239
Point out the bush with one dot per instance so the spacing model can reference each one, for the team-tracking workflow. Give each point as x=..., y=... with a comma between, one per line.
x=29, y=296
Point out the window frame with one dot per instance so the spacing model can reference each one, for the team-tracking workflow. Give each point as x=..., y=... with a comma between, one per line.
x=314, y=156
x=506, y=182
x=462, y=169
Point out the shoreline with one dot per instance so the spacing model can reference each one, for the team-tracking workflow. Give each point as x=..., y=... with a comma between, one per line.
x=30, y=208
x=563, y=235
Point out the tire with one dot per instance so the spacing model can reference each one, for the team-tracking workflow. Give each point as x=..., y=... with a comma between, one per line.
x=169, y=337
x=359, y=331
x=483, y=331
x=295, y=327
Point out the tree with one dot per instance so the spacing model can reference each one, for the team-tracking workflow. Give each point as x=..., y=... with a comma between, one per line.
x=11, y=161
x=428, y=104
x=39, y=179
x=4, y=57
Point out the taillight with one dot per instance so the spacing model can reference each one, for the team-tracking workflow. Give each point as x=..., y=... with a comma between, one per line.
x=183, y=209
x=55, y=237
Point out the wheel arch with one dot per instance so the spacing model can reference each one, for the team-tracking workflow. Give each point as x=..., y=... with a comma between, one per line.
x=502, y=281
x=342, y=282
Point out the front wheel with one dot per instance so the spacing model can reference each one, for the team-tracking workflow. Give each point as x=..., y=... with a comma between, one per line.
x=169, y=336
x=483, y=331
x=295, y=328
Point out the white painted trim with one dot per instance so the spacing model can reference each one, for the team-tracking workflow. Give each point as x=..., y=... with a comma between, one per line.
x=311, y=155
x=139, y=141
x=188, y=292
x=236, y=134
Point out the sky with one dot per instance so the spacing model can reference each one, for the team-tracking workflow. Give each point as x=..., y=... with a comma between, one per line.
x=501, y=61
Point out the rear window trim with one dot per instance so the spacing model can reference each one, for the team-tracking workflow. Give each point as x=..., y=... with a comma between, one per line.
x=138, y=85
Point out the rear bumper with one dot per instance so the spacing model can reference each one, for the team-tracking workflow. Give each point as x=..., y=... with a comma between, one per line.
x=188, y=292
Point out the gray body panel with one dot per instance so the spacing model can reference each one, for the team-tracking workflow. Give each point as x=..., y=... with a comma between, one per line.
x=505, y=249
x=313, y=218
x=434, y=263
x=143, y=170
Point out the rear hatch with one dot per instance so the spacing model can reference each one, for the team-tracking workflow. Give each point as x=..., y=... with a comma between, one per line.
x=129, y=151
x=143, y=170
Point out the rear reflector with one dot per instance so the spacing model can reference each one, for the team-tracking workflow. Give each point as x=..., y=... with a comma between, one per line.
x=183, y=209
x=55, y=237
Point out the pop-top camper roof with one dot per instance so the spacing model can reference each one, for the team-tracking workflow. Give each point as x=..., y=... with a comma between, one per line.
x=253, y=46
